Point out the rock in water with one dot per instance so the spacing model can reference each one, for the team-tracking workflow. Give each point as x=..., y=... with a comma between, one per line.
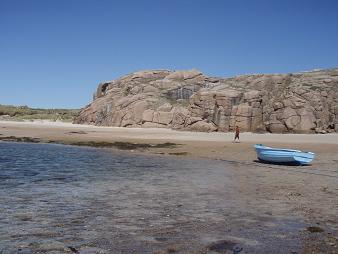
x=305, y=102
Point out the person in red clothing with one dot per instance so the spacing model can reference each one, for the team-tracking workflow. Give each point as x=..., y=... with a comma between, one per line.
x=236, y=134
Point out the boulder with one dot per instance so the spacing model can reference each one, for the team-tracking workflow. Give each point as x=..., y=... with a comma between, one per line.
x=242, y=117
x=165, y=117
x=244, y=123
x=191, y=120
x=153, y=125
x=278, y=105
x=148, y=115
x=138, y=110
x=244, y=110
x=150, y=89
x=336, y=119
x=276, y=127
x=203, y=127
x=253, y=95
x=301, y=102
x=257, y=120
x=166, y=107
x=183, y=75
x=179, y=117
x=307, y=120
x=291, y=118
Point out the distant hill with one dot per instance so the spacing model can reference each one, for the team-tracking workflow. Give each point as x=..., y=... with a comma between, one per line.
x=24, y=113
x=304, y=102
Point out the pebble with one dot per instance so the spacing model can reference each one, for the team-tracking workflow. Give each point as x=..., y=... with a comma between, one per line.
x=54, y=246
x=92, y=250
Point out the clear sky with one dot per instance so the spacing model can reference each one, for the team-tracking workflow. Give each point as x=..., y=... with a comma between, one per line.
x=53, y=53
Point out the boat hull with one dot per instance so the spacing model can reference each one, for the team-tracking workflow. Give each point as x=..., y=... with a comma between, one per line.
x=287, y=156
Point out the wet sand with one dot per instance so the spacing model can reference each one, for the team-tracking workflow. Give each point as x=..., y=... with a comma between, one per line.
x=193, y=144
x=308, y=193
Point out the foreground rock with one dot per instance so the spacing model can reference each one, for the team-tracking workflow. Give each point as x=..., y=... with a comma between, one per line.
x=304, y=102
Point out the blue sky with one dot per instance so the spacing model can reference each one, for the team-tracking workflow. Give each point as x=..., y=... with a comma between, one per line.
x=54, y=53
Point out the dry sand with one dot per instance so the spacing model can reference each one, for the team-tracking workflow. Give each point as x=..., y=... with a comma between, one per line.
x=309, y=192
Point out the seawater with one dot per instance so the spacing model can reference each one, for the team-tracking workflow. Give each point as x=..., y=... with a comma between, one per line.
x=64, y=199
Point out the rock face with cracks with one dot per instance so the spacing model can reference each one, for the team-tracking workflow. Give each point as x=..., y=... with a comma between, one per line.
x=305, y=102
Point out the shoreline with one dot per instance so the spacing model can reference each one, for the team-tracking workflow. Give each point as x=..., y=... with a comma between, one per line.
x=166, y=141
x=308, y=193
x=328, y=138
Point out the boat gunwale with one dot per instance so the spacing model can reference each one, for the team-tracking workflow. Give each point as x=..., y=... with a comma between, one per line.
x=276, y=155
x=262, y=147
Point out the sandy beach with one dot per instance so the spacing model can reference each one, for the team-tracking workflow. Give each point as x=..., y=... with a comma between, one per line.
x=196, y=144
x=308, y=192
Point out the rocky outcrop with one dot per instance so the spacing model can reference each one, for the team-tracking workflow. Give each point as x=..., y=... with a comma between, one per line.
x=304, y=102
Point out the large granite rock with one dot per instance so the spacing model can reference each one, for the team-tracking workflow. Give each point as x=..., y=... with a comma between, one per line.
x=304, y=102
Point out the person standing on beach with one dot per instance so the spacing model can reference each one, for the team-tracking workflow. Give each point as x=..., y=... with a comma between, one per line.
x=236, y=134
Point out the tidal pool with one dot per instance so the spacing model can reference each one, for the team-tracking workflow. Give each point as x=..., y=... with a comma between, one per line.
x=64, y=199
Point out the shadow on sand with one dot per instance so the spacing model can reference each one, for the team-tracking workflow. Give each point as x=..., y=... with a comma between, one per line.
x=281, y=163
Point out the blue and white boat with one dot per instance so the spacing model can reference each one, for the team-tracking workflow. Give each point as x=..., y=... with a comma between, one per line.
x=281, y=156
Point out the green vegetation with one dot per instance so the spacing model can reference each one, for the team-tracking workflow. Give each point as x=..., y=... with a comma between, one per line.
x=334, y=73
x=22, y=113
x=127, y=91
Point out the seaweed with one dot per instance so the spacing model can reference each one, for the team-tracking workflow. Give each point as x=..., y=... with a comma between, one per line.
x=20, y=139
x=100, y=144
x=124, y=145
x=314, y=229
x=179, y=153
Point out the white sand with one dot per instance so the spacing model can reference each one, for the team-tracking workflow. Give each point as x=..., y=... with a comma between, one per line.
x=167, y=134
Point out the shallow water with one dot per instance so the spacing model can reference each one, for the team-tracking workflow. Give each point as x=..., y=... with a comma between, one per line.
x=63, y=199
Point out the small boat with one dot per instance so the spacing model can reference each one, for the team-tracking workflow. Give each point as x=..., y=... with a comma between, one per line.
x=283, y=156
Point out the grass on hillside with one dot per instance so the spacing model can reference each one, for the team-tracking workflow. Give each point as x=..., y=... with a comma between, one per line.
x=21, y=113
